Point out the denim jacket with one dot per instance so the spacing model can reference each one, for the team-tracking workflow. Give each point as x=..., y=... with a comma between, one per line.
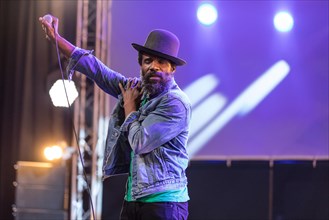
x=157, y=132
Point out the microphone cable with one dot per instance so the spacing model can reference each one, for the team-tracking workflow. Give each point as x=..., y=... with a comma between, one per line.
x=74, y=130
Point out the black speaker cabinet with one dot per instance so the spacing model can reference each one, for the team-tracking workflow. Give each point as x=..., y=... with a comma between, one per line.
x=39, y=214
x=41, y=191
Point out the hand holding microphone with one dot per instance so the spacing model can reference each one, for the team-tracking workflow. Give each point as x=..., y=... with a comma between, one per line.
x=50, y=26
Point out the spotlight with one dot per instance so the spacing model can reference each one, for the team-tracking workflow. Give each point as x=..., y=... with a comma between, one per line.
x=58, y=93
x=283, y=21
x=207, y=14
x=53, y=153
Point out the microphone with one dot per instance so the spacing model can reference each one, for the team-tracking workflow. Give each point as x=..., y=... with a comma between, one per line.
x=48, y=18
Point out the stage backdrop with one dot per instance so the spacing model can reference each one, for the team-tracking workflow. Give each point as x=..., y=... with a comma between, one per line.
x=255, y=91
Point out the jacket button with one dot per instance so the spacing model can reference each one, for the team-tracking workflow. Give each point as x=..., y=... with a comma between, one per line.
x=116, y=134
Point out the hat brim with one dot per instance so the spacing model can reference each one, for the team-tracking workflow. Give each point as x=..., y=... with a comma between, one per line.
x=175, y=60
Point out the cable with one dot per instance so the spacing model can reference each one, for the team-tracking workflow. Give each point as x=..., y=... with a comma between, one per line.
x=74, y=130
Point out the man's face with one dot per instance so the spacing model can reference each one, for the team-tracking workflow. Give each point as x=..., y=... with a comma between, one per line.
x=156, y=73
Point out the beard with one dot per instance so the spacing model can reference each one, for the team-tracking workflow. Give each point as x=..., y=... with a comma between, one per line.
x=155, y=87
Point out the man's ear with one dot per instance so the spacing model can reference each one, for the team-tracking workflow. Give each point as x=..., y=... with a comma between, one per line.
x=173, y=68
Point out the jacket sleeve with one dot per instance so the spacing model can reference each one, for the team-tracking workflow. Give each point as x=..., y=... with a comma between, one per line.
x=107, y=79
x=149, y=130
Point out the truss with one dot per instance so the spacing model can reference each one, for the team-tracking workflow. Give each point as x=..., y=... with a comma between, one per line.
x=91, y=111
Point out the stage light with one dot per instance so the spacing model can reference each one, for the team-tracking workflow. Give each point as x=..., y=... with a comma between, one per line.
x=283, y=21
x=207, y=14
x=53, y=153
x=58, y=93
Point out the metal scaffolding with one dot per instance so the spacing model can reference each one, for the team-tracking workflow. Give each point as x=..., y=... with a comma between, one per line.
x=91, y=112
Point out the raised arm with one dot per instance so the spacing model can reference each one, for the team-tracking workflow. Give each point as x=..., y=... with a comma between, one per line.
x=51, y=31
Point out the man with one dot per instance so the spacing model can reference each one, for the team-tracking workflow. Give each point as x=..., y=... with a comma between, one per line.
x=149, y=127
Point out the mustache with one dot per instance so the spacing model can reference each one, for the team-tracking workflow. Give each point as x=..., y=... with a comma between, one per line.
x=152, y=73
x=146, y=79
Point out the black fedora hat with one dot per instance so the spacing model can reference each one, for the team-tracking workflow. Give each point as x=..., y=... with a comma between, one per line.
x=161, y=43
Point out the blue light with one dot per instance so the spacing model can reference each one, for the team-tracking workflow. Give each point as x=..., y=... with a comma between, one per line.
x=283, y=21
x=207, y=14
